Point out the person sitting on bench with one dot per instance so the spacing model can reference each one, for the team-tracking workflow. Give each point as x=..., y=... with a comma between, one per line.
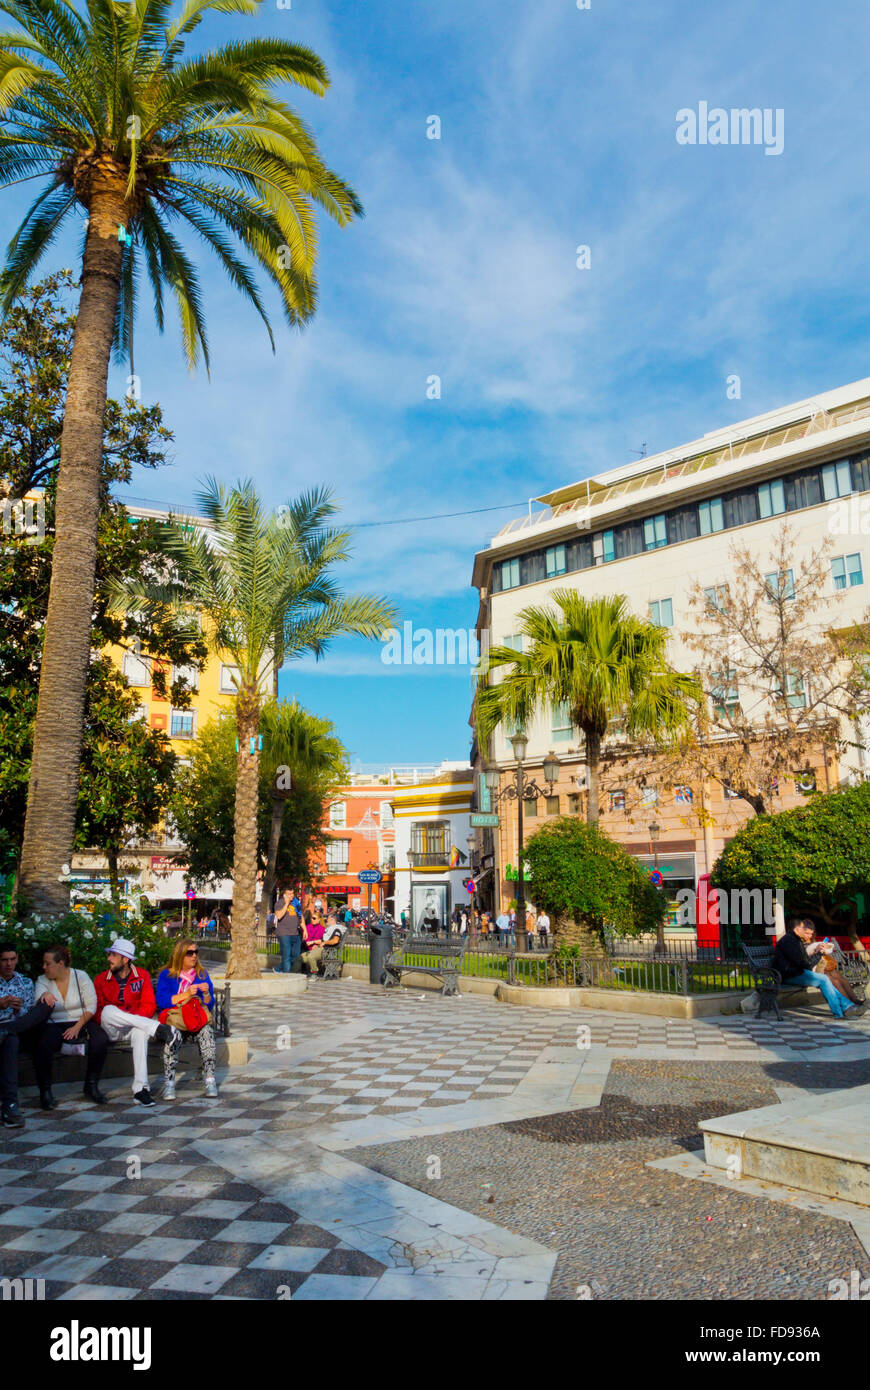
x=330, y=935
x=125, y=1012
x=18, y=1015
x=793, y=959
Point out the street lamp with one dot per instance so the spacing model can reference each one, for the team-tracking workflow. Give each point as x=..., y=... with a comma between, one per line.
x=522, y=788
x=654, y=833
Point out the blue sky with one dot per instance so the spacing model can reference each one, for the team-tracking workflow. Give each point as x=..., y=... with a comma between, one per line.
x=557, y=129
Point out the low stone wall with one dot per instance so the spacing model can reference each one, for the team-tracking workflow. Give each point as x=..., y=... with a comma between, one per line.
x=230, y=1052
x=633, y=1001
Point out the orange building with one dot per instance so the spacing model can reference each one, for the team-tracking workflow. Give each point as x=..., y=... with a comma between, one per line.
x=358, y=822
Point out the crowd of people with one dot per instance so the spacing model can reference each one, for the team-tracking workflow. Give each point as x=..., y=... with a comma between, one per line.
x=66, y=1011
x=303, y=932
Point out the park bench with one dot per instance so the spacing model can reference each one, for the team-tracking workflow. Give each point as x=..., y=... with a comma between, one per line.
x=448, y=955
x=332, y=961
x=771, y=987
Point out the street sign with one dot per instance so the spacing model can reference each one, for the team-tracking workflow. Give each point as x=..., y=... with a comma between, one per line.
x=656, y=877
x=468, y=885
x=190, y=895
x=369, y=875
x=483, y=818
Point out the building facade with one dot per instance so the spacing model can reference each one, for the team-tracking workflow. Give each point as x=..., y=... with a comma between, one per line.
x=358, y=824
x=654, y=531
x=432, y=829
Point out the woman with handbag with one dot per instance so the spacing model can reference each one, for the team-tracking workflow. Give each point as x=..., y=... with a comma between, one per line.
x=185, y=1000
x=71, y=1028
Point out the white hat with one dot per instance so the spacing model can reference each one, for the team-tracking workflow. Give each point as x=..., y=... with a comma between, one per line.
x=122, y=947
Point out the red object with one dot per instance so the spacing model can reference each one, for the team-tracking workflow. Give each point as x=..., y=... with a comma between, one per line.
x=138, y=993
x=195, y=1015
x=707, y=915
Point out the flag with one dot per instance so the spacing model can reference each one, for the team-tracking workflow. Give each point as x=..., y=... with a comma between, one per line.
x=456, y=857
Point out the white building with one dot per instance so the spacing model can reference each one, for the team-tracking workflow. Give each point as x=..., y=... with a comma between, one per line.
x=432, y=829
x=652, y=530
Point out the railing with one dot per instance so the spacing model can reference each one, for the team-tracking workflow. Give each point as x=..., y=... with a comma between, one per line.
x=429, y=859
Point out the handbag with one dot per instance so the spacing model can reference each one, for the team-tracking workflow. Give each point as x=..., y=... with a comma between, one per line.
x=74, y=1049
x=190, y=1017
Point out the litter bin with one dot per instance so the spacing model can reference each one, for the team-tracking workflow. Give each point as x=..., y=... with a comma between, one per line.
x=381, y=943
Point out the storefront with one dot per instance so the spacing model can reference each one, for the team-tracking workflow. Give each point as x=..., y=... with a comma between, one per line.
x=678, y=871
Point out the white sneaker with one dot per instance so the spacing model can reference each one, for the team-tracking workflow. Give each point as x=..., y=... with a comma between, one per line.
x=168, y=1092
x=211, y=1090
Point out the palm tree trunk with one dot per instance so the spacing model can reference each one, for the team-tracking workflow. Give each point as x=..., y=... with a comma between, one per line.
x=278, y=803
x=593, y=766
x=244, y=945
x=576, y=931
x=54, y=771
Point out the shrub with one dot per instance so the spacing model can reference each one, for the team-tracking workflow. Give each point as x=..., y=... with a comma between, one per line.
x=87, y=939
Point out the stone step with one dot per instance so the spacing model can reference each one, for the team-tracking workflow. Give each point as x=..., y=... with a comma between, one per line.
x=816, y=1143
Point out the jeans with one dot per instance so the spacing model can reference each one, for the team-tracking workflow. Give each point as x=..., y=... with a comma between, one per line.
x=47, y=1042
x=15, y=1027
x=836, y=1002
x=290, y=947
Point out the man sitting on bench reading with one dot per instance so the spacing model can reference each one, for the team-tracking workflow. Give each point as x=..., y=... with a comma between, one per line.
x=792, y=958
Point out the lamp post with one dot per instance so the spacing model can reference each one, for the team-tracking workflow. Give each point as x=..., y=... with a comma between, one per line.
x=654, y=833
x=472, y=850
x=521, y=789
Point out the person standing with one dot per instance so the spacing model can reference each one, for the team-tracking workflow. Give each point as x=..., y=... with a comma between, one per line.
x=19, y=1015
x=288, y=927
x=530, y=928
x=125, y=1011
x=503, y=925
x=73, y=1005
x=543, y=925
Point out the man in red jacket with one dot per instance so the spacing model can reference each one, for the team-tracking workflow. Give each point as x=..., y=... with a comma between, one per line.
x=125, y=1010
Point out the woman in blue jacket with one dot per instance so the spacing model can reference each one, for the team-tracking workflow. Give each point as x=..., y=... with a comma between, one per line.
x=185, y=979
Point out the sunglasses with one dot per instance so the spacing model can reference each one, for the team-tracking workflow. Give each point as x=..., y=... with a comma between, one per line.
x=191, y=953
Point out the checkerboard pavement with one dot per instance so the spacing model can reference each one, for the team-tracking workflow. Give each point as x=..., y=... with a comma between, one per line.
x=118, y=1203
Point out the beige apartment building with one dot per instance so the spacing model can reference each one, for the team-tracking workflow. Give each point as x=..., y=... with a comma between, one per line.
x=652, y=530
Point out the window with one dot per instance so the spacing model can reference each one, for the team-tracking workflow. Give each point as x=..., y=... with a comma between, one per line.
x=386, y=815
x=182, y=723
x=683, y=796
x=846, y=571
x=188, y=674
x=230, y=676
x=515, y=642
x=552, y=805
x=795, y=691
x=655, y=532
x=717, y=597
x=617, y=801
x=780, y=586
x=726, y=696
x=337, y=856
x=608, y=546
x=561, y=728
x=649, y=796
x=573, y=803
x=510, y=573
x=137, y=669
x=555, y=560
x=429, y=839
x=771, y=499
x=661, y=612
x=836, y=480
x=710, y=516
x=530, y=810
x=805, y=781
x=337, y=815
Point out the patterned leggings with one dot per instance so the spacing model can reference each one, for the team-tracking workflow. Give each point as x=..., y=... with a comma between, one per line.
x=205, y=1042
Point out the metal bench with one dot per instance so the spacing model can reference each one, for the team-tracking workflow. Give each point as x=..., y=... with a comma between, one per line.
x=332, y=961
x=770, y=985
x=449, y=955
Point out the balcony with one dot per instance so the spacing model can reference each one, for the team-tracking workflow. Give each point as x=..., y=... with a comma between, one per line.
x=429, y=859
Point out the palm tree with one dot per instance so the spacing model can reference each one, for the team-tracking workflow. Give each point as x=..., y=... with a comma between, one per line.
x=601, y=663
x=299, y=750
x=107, y=111
x=263, y=585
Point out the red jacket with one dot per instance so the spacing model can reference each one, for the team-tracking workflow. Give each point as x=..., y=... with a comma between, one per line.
x=138, y=993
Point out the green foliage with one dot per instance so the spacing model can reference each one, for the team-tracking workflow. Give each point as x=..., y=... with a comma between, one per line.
x=579, y=872
x=818, y=854
x=87, y=937
x=198, y=141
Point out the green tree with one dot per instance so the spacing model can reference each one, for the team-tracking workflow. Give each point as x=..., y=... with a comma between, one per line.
x=108, y=111
x=817, y=854
x=606, y=667
x=127, y=772
x=586, y=880
x=265, y=587
x=203, y=805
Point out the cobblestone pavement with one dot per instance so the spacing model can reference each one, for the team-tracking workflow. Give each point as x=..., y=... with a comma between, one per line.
x=311, y=1177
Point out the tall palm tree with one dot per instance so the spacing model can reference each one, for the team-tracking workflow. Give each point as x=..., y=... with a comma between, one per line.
x=598, y=660
x=103, y=106
x=264, y=586
x=300, y=750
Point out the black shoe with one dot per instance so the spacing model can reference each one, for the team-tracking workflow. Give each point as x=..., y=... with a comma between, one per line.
x=47, y=1100
x=12, y=1117
x=144, y=1097
x=93, y=1092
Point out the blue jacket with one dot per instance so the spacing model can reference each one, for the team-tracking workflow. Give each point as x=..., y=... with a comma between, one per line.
x=167, y=985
